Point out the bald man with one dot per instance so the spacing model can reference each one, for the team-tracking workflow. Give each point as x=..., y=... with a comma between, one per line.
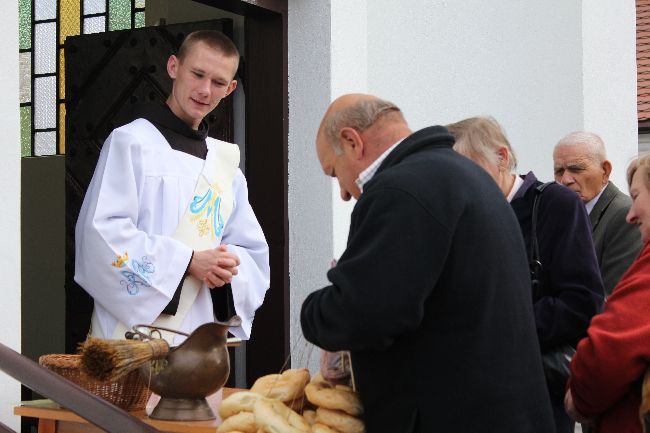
x=580, y=163
x=432, y=294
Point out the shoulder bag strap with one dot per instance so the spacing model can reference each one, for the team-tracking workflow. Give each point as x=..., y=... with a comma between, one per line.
x=535, y=262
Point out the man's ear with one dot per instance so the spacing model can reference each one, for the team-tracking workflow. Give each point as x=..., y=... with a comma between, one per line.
x=172, y=65
x=351, y=139
x=231, y=88
x=607, y=169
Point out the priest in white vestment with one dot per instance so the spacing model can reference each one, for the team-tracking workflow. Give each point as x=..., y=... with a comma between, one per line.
x=166, y=234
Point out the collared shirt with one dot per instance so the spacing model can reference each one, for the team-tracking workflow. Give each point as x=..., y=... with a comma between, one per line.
x=515, y=187
x=368, y=173
x=591, y=203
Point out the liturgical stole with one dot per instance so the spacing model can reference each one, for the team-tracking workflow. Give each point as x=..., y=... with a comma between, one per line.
x=201, y=228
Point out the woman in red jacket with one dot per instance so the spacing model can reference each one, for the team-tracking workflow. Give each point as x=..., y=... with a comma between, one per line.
x=608, y=367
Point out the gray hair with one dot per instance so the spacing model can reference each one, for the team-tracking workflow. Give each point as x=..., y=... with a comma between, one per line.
x=359, y=116
x=479, y=138
x=641, y=164
x=595, y=146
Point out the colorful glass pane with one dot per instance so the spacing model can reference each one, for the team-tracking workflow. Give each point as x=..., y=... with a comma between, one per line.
x=44, y=9
x=139, y=19
x=119, y=12
x=25, y=65
x=69, y=16
x=61, y=73
x=94, y=6
x=62, y=128
x=65, y=17
x=25, y=24
x=94, y=25
x=45, y=44
x=45, y=143
x=45, y=102
x=26, y=131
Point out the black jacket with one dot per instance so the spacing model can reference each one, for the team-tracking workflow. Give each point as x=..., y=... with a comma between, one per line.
x=570, y=273
x=432, y=297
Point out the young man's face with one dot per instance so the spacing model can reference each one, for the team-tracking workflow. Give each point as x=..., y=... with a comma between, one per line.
x=201, y=79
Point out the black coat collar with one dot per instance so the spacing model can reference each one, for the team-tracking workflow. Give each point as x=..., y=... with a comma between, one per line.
x=433, y=136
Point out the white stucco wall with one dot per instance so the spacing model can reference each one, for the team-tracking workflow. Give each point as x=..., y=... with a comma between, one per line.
x=520, y=62
x=10, y=199
x=541, y=69
x=609, y=65
x=310, y=204
x=442, y=61
x=349, y=63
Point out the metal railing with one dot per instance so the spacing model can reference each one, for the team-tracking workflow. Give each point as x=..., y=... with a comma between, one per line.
x=5, y=429
x=88, y=406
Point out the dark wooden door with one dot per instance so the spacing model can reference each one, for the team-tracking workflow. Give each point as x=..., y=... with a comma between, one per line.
x=108, y=75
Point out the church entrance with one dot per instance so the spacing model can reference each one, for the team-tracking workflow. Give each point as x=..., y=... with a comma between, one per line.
x=108, y=74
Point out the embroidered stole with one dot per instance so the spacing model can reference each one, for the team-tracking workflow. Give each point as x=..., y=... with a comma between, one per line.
x=201, y=228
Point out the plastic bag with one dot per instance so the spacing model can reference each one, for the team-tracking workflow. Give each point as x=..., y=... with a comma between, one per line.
x=335, y=366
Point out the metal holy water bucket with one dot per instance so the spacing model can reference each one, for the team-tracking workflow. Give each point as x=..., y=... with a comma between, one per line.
x=196, y=368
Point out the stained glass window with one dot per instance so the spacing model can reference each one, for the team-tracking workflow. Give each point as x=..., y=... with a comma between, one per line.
x=42, y=64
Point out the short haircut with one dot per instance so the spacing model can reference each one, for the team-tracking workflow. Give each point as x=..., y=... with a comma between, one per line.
x=359, y=116
x=213, y=39
x=595, y=146
x=479, y=138
x=641, y=163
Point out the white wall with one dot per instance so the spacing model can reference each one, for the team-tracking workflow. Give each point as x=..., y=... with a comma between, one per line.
x=349, y=63
x=542, y=69
x=520, y=62
x=10, y=198
x=609, y=65
x=310, y=203
x=442, y=61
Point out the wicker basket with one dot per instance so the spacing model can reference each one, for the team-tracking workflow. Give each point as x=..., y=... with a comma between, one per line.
x=129, y=392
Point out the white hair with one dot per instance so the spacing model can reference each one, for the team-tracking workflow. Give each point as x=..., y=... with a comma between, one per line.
x=595, y=145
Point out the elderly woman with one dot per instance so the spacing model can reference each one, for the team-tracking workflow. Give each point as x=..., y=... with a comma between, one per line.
x=572, y=285
x=608, y=367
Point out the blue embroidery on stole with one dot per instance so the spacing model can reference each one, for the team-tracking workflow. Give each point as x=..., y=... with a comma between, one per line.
x=209, y=206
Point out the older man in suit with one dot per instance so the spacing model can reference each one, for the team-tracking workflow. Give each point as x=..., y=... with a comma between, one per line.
x=581, y=164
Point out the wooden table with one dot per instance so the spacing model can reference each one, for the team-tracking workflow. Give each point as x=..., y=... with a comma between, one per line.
x=53, y=419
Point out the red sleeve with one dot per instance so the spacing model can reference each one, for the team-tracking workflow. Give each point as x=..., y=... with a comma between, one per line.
x=615, y=353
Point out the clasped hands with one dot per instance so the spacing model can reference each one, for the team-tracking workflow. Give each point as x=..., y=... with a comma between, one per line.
x=215, y=267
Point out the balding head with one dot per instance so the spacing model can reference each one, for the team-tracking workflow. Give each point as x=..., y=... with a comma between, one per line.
x=356, y=129
x=359, y=112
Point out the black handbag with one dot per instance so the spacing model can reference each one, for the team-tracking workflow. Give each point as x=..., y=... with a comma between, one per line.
x=556, y=361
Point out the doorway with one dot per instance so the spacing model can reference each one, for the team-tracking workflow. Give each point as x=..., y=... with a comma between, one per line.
x=263, y=130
